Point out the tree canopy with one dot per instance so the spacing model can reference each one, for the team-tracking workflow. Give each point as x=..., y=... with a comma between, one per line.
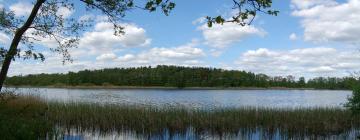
x=177, y=76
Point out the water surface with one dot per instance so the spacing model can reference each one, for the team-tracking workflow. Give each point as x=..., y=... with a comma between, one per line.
x=197, y=98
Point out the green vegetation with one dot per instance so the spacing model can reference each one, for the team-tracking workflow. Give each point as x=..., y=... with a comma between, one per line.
x=354, y=101
x=23, y=118
x=176, y=76
x=31, y=117
x=290, y=122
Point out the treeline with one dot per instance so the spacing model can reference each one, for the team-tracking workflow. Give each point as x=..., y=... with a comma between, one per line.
x=177, y=76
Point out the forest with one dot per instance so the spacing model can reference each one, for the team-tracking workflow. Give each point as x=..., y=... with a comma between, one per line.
x=177, y=76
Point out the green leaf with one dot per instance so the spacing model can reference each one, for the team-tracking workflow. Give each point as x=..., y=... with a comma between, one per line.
x=209, y=24
x=219, y=20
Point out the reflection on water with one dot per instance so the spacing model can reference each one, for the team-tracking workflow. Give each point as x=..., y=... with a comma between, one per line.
x=198, y=98
x=191, y=135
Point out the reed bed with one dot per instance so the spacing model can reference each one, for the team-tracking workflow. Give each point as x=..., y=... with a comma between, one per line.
x=299, y=122
x=23, y=117
x=28, y=115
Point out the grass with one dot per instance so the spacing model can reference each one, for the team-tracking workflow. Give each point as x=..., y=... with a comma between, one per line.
x=23, y=117
x=292, y=122
x=31, y=116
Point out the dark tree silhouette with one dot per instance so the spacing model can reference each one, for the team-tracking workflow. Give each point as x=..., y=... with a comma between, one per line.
x=177, y=76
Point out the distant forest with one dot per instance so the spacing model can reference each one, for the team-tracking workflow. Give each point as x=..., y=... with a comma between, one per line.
x=177, y=76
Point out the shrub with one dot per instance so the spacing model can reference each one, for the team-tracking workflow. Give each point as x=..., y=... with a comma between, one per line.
x=354, y=101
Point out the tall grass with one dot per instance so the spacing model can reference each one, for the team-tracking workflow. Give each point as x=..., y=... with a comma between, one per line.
x=150, y=120
x=29, y=116
x=23, y=117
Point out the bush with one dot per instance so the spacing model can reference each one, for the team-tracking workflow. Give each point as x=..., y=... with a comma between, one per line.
x=354, y=101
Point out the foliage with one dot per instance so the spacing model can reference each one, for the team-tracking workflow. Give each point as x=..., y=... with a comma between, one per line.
x=176, y=76
x=246, y=11
x=354, y=101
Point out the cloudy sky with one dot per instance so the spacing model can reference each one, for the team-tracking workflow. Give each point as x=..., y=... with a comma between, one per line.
x=309, y=38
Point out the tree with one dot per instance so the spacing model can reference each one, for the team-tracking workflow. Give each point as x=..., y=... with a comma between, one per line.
x=353, y=103
x=45, y=22
x=301, y=82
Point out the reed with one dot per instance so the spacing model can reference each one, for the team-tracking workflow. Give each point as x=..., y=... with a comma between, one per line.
x=299, y=122
x=23, y=117
x=30, y=116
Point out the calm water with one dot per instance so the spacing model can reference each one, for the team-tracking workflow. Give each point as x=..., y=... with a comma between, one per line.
x=198, y=98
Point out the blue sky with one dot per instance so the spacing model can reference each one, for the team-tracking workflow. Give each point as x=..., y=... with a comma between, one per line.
x=308, y=38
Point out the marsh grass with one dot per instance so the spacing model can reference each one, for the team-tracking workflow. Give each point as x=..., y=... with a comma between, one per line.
x=150, y=120
x=23, y=117
x=29, y=116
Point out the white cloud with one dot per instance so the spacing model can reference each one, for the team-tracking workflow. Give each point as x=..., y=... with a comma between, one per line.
x=21, y=8
x=200, y=20
x=182, y=55
x=303, y=4
x=4, y=39
x=64, y=12
x=221, y=36
x=322, y=69
x=103, y=40
x=125, y=58
x=186, y=55
x=106, y=57
x=319, y=61
x=52, y=64
x=262, y=52
x=293, y=36
x=100, y=43
x=328, y=21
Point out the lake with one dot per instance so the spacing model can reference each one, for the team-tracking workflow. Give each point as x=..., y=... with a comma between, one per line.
x=196, y=98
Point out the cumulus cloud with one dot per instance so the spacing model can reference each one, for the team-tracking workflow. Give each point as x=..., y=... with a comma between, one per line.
x=52, y=64
x=106, y=57
x=126, y=58
x=303, y=4
x=103, y=40
x=21, y=8
x=328, y=21
x=182, y=55
x=186, y=55
x=308, y=61
x=221, y=36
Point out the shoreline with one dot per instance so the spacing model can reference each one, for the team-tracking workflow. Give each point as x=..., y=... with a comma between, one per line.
x=169, y=88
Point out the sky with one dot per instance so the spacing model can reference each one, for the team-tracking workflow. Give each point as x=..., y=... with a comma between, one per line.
x=308, y=38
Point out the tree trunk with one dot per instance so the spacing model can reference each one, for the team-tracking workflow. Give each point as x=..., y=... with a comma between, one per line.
x=15, y=42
